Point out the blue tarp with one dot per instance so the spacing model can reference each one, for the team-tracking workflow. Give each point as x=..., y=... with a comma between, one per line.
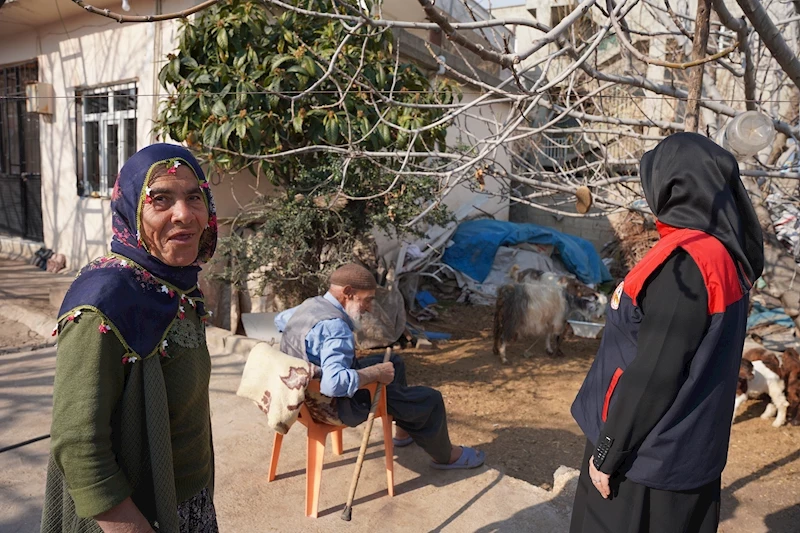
x=430, y=335
x=760, y=316
x=424, y=299
x=477, y=241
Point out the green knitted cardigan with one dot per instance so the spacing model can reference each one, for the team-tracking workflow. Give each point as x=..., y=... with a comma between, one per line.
x=143, y=405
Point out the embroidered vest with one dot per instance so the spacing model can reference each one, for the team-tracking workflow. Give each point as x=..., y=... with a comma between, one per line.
x=293, y=342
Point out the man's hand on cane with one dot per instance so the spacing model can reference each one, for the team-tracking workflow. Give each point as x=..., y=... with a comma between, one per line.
x=386, y=372
x=382, y=373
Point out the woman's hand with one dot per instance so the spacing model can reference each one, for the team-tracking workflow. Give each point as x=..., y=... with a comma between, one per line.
x=124, y=518
x=600, y=480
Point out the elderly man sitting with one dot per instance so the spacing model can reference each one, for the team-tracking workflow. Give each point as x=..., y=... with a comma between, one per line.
x=320, y=330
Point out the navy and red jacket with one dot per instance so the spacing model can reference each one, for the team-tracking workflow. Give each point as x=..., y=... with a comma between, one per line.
x=688, y=445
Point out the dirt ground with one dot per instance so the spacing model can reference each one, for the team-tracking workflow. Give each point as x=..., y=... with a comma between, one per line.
x=519, y=414
x=15, y=336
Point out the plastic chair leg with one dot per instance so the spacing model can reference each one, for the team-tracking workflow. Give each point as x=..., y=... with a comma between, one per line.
x=315, y=456
x=276, y=454
x=389, y=451
x=336, y=440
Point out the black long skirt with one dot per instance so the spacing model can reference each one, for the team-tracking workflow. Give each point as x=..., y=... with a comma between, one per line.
x=634, y=508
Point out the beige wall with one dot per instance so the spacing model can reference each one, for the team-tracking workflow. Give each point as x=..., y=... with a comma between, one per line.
x=233, y=192
x=466, y=131
x=406, y=10
x=86, y=50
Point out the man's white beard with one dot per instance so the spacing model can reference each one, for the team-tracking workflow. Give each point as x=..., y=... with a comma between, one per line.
x=352, y=310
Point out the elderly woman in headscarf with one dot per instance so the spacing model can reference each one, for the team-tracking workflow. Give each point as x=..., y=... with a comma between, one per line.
x=657, y=403
x=131, y=433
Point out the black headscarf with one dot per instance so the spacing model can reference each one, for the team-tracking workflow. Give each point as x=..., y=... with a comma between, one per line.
x=691, y=182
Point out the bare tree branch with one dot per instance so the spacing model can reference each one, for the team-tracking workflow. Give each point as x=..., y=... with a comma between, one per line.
x=677, y=21
x=378, y=23
x=505, y=60
x=772, y=39
x=609, y=118
x=145, y=18
x=653, y=61
x=559, y=29
x=740, y=27
x=665, y=90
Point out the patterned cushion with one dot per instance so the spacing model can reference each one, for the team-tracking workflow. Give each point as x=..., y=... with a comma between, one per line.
x=277, y=383
x=323, y=408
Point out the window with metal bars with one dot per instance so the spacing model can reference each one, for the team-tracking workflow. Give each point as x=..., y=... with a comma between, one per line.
x=106, y=131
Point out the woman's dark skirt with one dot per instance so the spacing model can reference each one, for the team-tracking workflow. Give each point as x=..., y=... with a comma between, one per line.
x=634, y=508
x=197, y=514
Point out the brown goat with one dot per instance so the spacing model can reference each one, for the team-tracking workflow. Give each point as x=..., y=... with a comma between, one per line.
x=760, y=374
x=765, y=356
x=745, y=375
x=791, y=376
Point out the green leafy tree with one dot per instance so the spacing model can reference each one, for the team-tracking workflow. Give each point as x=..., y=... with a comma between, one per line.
x=293, y=97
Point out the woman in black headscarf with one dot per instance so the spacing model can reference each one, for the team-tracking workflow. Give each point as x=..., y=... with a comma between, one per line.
x=657, y=403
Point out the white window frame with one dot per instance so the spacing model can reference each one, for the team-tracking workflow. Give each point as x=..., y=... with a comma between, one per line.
x=103, y=120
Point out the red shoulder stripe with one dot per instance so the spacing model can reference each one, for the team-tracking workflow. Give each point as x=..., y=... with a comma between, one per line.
x=718, y=270
x=659, y=253
x=712, y=258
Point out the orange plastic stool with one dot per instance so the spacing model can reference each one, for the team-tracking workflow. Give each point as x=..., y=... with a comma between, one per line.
x=315, y=442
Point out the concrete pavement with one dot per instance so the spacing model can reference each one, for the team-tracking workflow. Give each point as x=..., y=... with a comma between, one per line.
x=26, y=385
x=480, y=500
x=25, y=295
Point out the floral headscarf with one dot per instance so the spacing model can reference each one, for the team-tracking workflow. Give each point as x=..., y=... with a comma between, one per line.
x=138, y=296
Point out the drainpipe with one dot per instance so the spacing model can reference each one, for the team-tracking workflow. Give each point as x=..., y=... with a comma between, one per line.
x=157, y=54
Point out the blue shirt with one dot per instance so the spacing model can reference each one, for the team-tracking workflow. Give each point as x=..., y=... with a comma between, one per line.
x=330, y=345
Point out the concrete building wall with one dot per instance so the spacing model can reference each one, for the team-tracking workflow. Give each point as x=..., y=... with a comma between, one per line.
x=597, y=230
x=76, y=52
x=407, y=11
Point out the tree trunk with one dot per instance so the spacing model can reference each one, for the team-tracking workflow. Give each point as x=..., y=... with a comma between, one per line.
x=771, y=37
x=701, y=27
x=780, y=270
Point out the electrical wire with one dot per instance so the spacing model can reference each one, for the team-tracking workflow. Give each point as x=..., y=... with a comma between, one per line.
x=24, y=443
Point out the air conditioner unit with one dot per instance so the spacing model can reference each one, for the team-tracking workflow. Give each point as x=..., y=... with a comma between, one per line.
x=40, y=98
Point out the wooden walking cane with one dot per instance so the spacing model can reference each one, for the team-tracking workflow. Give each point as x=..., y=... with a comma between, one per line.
x=348, y=508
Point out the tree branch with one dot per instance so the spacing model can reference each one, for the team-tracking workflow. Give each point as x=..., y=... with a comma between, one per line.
x=658, y=62
x=558, y=30
x=740, y=27
x=772, y=39
x=145, y=18
x=677, y=21
x=433, y=14
x=664, y=90
x=378, y=23
x=682, y=29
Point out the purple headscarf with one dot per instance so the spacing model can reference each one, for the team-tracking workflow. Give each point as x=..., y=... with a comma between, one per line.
x=139, y=296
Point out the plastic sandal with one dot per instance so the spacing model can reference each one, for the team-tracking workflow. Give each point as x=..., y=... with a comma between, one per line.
x=469, y=459
x=403, y=442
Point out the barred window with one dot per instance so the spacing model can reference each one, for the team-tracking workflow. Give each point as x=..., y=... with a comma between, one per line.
x=106, y=131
